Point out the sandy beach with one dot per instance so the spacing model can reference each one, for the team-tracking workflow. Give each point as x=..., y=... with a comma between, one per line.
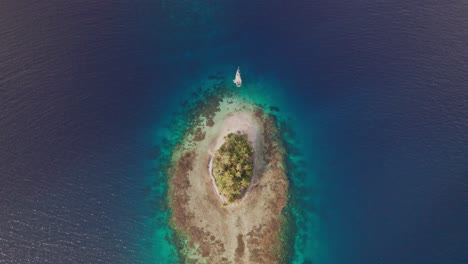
x=246, y=231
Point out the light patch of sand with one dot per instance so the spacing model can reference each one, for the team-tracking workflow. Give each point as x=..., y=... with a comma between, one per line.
x=241, y=121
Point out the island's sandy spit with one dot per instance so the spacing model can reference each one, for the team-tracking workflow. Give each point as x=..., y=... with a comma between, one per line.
x=247, y=231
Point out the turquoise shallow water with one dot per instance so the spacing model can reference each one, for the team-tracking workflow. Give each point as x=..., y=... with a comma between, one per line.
x=305, y=243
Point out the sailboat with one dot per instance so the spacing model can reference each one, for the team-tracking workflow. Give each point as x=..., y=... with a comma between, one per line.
x=238, y=80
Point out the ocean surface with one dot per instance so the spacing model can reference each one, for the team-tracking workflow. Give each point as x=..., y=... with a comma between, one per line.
x=372, y=97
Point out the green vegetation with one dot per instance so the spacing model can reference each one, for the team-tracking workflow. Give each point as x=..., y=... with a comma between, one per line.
x=233, y=165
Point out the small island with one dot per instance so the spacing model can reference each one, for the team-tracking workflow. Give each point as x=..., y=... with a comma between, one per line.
x=233, y=165
x=228, y=185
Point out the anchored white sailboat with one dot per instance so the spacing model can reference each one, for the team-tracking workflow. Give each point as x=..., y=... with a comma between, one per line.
x=238, y=80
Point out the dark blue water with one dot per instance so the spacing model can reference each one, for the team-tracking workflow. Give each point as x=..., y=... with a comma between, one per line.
x=378, y=91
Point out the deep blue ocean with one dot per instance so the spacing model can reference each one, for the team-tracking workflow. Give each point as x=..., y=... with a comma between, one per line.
x=375, y=94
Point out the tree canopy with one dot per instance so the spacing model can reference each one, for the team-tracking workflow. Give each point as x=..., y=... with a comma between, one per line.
x=233, y=165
